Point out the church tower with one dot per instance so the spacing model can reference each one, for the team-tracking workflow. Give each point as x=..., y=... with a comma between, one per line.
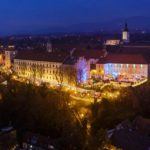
x=126, y=34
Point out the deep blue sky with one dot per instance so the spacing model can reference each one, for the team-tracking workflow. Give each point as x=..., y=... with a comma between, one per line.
x=25, y=16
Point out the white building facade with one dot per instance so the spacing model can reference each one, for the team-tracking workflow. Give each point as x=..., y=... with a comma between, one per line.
x=80, y=68
x=124, y=66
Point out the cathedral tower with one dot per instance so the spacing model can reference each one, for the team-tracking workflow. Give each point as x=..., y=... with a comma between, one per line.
x=126, y=34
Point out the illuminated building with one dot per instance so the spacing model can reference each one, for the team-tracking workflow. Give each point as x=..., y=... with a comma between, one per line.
x=2, y=58
x=126, y=34
x=79, y=66
x=124, y=66
x=112, y=42
x=89, y=60
x=40, y=66
x=9, y=57
x=56, y=67
x=117, y=41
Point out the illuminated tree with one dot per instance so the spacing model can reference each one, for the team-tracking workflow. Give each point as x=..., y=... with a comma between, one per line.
x=40, y=71
x=59, y=75
x=23, y=68
x=82, y=70
x=33, y=68
x=70, y=74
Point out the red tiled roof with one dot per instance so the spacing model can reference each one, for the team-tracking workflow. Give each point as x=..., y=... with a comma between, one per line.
x=42, y=56
x=97, y=54
x=58, y=56
x=135, y=49
x=124, y=59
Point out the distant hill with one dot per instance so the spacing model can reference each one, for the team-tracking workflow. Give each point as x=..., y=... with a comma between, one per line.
x=136, y=24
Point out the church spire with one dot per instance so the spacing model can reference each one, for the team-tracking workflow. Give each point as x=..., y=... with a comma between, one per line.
x=126, y=34
x=126, y=27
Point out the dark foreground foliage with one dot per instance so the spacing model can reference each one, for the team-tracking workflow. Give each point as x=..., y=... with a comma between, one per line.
x=47, y=112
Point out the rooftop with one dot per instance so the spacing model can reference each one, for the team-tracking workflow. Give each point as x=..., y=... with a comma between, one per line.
x=42, y=56
x=39, y=141
x=89, y=54
x=130, y=49
x=129, y=139
x=124, y=59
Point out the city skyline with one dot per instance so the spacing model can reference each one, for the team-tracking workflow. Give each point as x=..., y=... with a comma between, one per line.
x=35, y=17
x=75, y=75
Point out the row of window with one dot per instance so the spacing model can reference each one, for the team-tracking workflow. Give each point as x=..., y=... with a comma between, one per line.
x=18, y=69
x=126, y=69
x=126, y=65
x=47, y=77
x=129, y=72
x=38, y=64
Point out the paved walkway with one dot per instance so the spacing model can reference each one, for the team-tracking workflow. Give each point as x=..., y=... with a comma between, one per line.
x=82, y=99
x=140, y=83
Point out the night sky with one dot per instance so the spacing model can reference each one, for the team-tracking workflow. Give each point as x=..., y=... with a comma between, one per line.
x=27, y=16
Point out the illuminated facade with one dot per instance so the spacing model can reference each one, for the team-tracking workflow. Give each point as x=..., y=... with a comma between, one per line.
x=2, y=59
x=40, y=70
x=40, y=66
x=126, y=70
x=126, y=34
x=78, y=67
x=55, y=68
x=124, y=66
x=112, y=42
x=9, y=56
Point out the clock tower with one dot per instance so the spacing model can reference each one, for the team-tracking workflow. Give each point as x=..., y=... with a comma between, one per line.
x=126, y=34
